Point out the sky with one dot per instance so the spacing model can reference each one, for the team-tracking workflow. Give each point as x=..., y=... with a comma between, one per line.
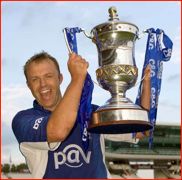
x=29, y=27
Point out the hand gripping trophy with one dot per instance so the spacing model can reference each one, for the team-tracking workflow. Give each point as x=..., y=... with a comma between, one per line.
x=117, y=72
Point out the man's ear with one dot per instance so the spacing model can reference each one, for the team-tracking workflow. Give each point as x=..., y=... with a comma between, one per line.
x=28, y=85
x=60, y=78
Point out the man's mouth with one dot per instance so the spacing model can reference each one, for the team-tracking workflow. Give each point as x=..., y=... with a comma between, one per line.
x=45, y=94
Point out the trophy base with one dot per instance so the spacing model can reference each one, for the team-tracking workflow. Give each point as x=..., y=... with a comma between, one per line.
x=120, y=127
x=119, y=121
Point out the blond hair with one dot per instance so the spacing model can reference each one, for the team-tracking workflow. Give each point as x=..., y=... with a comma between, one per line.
x=38, y=58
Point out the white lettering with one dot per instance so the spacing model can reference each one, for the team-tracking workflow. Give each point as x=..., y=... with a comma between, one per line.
x=152, y=67
x=76, y=156
x=153, y=96
x=84, y=137
x=36, y=125
x=57, y=163
x=167, y=53
x=158, y=92
x=159, y=42
x=37, y=122
x=151, y=42
x=73, y=156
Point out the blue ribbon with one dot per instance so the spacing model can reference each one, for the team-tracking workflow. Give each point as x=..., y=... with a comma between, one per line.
x=155, y=56
x=85, y=108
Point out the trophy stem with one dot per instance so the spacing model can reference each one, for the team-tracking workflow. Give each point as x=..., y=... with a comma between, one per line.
x=117, y=91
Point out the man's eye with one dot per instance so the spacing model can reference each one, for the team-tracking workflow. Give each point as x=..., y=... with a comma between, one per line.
x=35, y=79
x=49, y=76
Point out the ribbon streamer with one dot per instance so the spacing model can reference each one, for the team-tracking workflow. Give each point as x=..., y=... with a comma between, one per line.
x=155, y=56
x=85, y=108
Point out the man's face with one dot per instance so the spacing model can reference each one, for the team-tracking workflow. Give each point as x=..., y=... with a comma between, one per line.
x=43, y=80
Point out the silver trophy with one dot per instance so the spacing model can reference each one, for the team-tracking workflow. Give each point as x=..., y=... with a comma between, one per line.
x=117, y=72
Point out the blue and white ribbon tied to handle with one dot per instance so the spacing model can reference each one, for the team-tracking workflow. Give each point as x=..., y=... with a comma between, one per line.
x=155, y=55
x=85, y=108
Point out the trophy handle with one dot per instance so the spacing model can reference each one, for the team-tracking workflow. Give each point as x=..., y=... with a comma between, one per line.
x=66, y=40
x=144, y=31
x=70, y=51
x=90, y=37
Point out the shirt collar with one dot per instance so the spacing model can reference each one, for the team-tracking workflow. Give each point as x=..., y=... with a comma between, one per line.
x=38, y=107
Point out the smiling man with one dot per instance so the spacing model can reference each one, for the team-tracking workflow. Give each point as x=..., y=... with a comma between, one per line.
x=49, y=134
x=44, y=81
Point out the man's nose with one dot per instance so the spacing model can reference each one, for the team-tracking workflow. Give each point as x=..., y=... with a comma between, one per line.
x=43, y=82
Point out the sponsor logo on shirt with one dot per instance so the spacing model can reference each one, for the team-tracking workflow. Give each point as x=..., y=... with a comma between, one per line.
x=71, y=154
x=37, y=122
x=84, y=136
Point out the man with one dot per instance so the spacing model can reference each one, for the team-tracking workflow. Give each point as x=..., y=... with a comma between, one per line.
x=49, y=134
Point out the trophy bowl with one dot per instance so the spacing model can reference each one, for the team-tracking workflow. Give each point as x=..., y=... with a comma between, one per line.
x=117, y=72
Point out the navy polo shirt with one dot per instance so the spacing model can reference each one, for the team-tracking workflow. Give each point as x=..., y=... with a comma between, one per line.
x=59, y=160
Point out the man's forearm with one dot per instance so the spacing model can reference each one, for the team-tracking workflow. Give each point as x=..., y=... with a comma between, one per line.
x=145, y=96
x=63, y=117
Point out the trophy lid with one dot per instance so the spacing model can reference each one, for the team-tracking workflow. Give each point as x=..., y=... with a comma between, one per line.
x=114, y=25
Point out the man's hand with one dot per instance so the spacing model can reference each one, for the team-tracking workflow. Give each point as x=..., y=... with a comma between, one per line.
x=145, y=96
x=139, y=135
x=77, y=66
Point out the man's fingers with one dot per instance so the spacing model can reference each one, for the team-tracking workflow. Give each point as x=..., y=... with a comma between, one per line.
x=87, y=65
x=82, y=60
x=74, y=57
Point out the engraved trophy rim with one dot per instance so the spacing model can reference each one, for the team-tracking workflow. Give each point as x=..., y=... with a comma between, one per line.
x=112, y=23
x=114, y=20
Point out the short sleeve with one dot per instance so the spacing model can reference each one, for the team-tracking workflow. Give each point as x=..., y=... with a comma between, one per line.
x=31, y=129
